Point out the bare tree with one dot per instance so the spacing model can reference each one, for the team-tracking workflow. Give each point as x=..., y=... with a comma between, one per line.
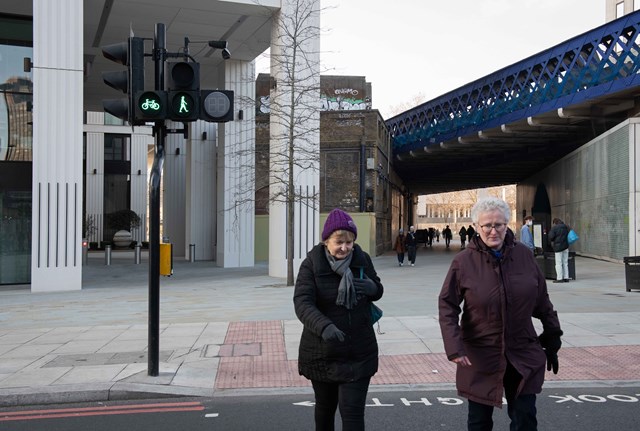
x=295, y=113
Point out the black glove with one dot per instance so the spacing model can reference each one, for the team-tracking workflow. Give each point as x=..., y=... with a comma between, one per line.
x=551, y=343
x=365, y=286
x=332, y=333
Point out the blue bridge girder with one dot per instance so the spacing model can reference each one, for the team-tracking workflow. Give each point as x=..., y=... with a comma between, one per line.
x=503, y=127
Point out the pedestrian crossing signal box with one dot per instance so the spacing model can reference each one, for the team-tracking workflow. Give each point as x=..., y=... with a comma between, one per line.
x=166, y=259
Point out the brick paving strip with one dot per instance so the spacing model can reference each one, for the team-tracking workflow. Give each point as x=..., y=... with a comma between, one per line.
x=254, y=356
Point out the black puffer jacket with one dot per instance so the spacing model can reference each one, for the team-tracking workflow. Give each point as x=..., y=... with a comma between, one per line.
x=314, y=300
x=558, y=237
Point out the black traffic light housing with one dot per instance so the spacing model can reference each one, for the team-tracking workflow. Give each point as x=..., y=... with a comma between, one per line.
x=130, y=81
x=183, y=85
x=216, y=106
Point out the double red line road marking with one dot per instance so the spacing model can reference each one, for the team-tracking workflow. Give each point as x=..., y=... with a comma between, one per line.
x=102, y=411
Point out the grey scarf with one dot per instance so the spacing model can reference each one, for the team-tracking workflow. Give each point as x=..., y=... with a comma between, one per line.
x=346, y=290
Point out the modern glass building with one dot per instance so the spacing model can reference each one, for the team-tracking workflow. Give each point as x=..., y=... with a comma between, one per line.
x=16, y=149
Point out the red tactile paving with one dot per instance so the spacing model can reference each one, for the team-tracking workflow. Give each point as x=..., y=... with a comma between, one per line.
x=269, y=367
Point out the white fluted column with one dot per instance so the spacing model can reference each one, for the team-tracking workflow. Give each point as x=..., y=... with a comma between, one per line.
x=236, y=170
x=56, y=246
x=200, y=217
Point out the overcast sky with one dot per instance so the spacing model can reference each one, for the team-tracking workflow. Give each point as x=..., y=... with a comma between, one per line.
x=410, y=47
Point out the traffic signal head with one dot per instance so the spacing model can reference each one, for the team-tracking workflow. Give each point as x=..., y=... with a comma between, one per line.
x=130, y=54
x=217, y=106
x=183, y=83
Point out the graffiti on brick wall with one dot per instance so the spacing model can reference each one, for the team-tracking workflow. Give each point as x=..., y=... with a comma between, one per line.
x=344, y=99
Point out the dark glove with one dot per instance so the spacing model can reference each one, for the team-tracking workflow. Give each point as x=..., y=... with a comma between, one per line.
x=332, y=333
x=365, y=286
x=551, y=343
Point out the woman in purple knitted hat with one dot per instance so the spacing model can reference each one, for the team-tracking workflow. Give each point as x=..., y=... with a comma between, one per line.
x=338, y=348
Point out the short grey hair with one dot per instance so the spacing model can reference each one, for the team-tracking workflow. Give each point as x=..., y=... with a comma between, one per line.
x=490, y=204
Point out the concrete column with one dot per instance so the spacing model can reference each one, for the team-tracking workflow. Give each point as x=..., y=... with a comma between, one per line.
x=94, y=201
x=236, y=171
x=306, y=123
x=200, y=204
x=173, y=190
x=56, y=253
x=140, y=144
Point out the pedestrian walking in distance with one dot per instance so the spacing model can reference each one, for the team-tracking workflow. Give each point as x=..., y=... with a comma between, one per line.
x=399, y=247
x=498, y=288
x=332, y=298
x=411, y=242
x=463, y=236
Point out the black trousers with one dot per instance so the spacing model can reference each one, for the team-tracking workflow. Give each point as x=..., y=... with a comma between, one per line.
x=411, y=251
x=351, y=397
x=521, y=410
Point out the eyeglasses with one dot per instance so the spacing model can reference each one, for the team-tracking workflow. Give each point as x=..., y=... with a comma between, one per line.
x=499, y=227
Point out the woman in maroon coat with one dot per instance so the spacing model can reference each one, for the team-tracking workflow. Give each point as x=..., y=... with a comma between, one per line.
x=497, y=286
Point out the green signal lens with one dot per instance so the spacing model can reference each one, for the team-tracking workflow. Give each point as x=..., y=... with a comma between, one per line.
x=150, y=103
x=182, y=104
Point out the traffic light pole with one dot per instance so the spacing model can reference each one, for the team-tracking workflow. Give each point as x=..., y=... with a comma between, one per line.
x=160, y=132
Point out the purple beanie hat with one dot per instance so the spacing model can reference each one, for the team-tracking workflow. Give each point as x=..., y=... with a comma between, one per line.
x=338, y=220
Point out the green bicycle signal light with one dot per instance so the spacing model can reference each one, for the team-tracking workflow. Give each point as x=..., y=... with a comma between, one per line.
x=151, y=105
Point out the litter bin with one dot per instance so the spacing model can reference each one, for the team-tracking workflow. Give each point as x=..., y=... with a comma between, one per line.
x=632, y=272
x=547, y=263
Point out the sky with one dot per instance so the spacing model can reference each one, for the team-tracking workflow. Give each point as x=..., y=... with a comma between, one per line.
x=421, y=49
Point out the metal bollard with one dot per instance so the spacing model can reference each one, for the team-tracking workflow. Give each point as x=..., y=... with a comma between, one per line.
x=85, y=252
x=137, y=254
x=192, y=252
x=107, y=255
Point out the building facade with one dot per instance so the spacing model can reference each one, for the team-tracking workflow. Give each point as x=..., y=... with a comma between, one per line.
x=41, y=118
x=355, y=169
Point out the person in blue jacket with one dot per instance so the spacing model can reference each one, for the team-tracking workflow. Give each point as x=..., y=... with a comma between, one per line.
x=526, y=237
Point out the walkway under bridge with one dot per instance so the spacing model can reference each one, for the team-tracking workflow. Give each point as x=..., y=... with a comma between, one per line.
x=504, y=127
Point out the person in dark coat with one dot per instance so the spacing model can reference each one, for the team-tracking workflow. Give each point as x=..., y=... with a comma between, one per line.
x=411, y=243
x=558, y=237
x=332, y=297
x=399, y=247
x=471, y=232
x=446, y=233
x=463, y=236
x=498, y=287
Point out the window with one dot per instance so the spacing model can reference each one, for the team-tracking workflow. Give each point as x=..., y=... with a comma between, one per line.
x=115, y=147
x=16, y=95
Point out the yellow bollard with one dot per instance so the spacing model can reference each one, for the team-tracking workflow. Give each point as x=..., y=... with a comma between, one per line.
x=166, y=260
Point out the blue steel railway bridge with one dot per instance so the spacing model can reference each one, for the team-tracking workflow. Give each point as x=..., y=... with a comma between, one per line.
x=508, y=125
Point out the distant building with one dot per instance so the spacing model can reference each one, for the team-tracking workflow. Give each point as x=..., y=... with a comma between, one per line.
x=355, y=167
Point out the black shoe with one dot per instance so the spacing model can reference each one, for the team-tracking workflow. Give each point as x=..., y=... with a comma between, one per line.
x=566, y=280
x=558, y=281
